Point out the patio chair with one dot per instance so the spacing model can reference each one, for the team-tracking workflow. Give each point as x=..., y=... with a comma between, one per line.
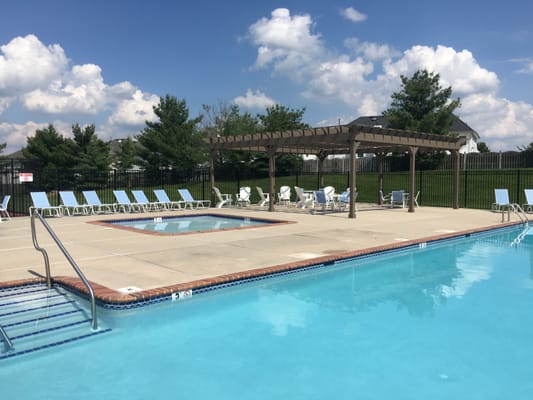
x=384, y=199
x=42, y=205
x=125, y=204
x=343, y=200
x=92, y=199
x=321, y=201
x=243, y=197
x=397, y=197
x=223, y=199
x=502, y=202
x=71, y=206
x=329, y=191
x=284, y=195
x=3, y=208
x=142, y=200
x=191, y=201
x=304, y=199
x=528, y=205
x=264, y=198
x=165, y=201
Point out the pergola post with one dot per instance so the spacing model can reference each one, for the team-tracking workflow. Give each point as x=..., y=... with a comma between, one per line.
x=412, y=164
x=456, y=175
x=353, y=149
x=321, y=158
x=271, y=178
x=212, y=157
x=381, y=162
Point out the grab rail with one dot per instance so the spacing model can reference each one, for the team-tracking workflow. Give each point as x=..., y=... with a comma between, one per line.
x=94, y=322
x=7, y=341
x=515, y=208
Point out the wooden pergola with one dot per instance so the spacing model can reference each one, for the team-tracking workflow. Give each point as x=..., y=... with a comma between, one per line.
x=340, y=139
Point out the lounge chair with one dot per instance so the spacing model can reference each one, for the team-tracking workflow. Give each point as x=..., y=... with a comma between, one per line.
x=321, y=201
x=264, y=198
x=243, y=197
x=304, y=199
x=125, y=204
x=284, y=195
x=165, y=201
x=92, y=199
x=397, y=197
x=142, y=200
x=528, y=205
x=502, y=202
x=343, y=200
x=191, y=201
x=42, y=205
x=384, y=199
x=71, y=206
x=329, y=191
x=223, y=199
x=3, y=208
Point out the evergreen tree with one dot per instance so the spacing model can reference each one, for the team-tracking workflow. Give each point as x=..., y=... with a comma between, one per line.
x=126, y=156
x=173, y=142
x=91, y=152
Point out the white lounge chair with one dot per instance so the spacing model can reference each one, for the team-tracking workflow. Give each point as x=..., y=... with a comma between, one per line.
x=125, y=204
x=42, y=205
x=243, y=197
x=191, y=201
x=3, y=208
x=329, y=191
x=284, y=195
x=92, y=199
x=528, y=205
x=384, y=200
x=71, y=206
x=304, y=199
x=142, y=200
x=168, y=204
x=264, y=198
x=223, y=199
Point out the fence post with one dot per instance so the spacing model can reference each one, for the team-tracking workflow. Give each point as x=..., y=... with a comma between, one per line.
x=518, y=183
x=465, y=189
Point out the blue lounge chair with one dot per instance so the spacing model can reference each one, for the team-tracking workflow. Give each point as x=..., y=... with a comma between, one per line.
x=397, y=197
x=502, y=202
x=92, y=199
x=124, y=203
x=168, y=204
x=42, y=205
x=322, y=201
x=142, y=200
x=71, y=206
x=3, y=208
x=190, y=201
x=528, y=205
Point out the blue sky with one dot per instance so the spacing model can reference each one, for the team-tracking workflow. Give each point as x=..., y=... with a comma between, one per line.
x=108, y=62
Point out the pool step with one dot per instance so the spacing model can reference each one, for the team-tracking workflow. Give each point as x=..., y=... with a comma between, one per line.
x=35, y=318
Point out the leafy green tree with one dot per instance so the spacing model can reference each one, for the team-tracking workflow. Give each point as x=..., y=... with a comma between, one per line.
x=281, y=118
x=54, y=152
x=2, y=147
x=174, y=141
x=92, y=153
x=422, y=105
x=126, y=156
x=483, y=148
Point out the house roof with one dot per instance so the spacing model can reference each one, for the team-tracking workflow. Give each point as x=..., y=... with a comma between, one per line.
x=458, y=127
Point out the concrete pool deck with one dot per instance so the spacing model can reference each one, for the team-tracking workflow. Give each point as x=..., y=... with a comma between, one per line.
x=127, y=265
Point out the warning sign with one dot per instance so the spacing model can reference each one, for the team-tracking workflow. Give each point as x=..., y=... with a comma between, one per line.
x=25, y=177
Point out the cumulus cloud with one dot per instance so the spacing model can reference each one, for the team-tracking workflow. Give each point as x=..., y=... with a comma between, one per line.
x=256, y=100
x=64, y=92
x=353, y=15
x=364, y=78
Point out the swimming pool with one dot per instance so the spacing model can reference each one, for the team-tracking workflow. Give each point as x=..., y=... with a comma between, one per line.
x=175, y=225
x=436, y=321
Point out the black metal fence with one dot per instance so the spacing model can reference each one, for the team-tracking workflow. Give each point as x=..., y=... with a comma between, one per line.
x=436, y=187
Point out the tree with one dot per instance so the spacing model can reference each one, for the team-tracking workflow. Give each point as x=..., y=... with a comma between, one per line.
x=126, y=155
x=281, y=118
x=91, y=152
x=173, y=142
x=483, y=148
x=53, y=151
x=2, y=147
x=422, y=105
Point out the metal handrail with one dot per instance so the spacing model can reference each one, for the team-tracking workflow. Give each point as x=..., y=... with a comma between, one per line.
x=94, y=321
x=7, y=341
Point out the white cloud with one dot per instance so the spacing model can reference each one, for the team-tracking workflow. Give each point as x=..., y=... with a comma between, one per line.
x=16, y=135
x=353, y=15
x=26, y=64
x=135, y=110
x=256, y=100
x=528, y=67
x=364, y=79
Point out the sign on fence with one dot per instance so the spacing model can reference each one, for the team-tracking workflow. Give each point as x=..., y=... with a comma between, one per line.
x=25, y=177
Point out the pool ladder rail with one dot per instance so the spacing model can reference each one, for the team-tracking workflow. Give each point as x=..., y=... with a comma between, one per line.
x=516, y=209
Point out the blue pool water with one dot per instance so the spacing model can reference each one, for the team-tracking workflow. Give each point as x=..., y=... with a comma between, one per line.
x=446, y=321
x=191, y=223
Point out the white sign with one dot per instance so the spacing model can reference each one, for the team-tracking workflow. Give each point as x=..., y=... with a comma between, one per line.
x=25, y=177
